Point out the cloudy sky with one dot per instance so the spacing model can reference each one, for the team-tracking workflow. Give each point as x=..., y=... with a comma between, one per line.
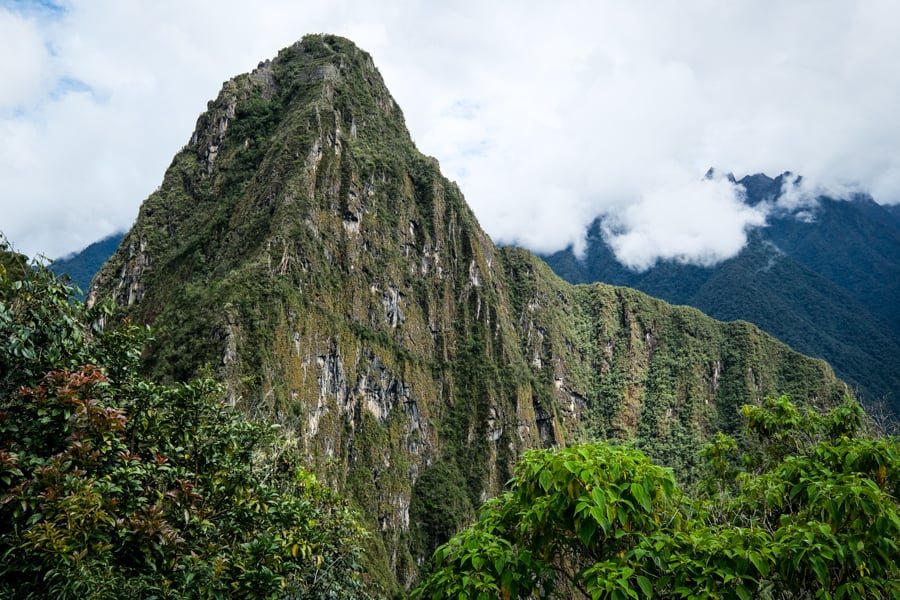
x=547, y=114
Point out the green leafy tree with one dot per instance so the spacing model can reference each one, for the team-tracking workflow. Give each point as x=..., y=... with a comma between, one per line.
x=811, y=512
x=112, y=485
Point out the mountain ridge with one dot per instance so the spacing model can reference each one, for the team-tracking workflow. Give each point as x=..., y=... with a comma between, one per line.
x=827, y=285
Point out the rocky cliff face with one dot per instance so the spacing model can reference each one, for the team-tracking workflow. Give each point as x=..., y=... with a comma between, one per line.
x=302, y=248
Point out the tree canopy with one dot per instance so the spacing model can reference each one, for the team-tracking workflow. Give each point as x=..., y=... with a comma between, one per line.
x=113, y=485
x=810, y=511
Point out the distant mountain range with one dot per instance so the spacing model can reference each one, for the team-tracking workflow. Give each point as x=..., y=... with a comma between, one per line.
x=827, y=285
x=83, y=265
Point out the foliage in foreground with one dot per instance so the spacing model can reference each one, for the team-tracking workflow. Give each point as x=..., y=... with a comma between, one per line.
x=812, y=512
x=112, y=485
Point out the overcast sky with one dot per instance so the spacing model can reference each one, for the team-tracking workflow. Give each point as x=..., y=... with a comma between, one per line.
x=547, y=114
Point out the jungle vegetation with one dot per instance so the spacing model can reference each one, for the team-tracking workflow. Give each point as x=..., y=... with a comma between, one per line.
x=113, y=485
x=810, y=512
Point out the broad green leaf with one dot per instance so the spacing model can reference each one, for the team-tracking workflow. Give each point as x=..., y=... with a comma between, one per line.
x=645, y=586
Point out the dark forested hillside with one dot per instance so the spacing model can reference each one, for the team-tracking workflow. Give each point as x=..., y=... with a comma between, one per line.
x=894, y=211
x=853, y=244
x=828, y=286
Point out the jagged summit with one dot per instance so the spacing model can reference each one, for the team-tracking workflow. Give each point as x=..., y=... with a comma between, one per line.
x=342, y=76
x=338, y=283
x=712, y=173
x=762, y=188
x=237, y=170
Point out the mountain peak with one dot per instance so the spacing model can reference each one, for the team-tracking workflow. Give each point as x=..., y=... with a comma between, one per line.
x=324, y=72
x=712, y=173
x=762, y=188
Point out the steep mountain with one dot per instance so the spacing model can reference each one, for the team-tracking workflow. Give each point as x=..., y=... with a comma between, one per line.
x=81, y=266
x=827, y=285
x=302, y=249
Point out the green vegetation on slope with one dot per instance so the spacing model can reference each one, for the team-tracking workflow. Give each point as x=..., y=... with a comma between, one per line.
x=114, y=486
x=635, y=368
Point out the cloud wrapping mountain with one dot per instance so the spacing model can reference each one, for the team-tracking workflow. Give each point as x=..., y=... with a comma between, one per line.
x=697, y=221
x=823, y=275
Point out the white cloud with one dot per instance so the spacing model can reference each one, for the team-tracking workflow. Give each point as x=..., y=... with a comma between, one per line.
x=546, y=114
x=686, y=219
x=23, y=72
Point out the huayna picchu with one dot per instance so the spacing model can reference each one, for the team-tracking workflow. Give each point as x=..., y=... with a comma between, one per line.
x=338, y=284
